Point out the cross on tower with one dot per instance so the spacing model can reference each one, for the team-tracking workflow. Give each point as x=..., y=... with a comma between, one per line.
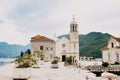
x=73, y=17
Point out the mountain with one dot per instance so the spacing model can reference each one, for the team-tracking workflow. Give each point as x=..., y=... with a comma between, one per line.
x=91, y=43
x=12, y=50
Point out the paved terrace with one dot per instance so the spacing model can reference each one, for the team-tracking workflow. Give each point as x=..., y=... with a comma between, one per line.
x=47, y=73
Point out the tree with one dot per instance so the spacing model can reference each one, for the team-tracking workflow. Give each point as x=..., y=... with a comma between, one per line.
x=38, y=55
x=25, y=61
x=28, y=51
x=21, y=54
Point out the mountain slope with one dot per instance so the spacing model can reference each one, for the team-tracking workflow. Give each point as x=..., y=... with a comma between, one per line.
x=91, y=44
x=10, y=50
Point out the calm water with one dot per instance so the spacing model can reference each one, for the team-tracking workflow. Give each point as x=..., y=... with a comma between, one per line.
x=4, y=61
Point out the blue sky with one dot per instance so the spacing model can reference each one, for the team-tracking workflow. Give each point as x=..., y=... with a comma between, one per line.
x=22, y=19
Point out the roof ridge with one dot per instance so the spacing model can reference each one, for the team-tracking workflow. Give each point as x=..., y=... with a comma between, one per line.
x=40, y=38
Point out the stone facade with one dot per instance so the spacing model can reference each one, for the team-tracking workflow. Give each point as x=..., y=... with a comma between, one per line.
x=66, y=47
x=111, y=53
x=44, y=44
x=63, y=47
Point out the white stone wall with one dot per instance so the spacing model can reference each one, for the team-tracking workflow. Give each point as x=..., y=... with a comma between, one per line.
x=48, y=53
x=105, y=56
x=74, y=44
x=112, y=54
x=116, y=43
x=60, y=50
x=74, y=37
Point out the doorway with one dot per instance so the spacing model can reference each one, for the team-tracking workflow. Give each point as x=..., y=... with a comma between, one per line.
x=63, y=58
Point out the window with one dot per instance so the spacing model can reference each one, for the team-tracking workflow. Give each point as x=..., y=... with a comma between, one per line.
x=63, y=45
x=47, y=48
x=73, y=27
x=112, y=45
x=117, y=56
x=41, y=47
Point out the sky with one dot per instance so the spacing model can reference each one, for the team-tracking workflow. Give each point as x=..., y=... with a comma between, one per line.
x=22, y=19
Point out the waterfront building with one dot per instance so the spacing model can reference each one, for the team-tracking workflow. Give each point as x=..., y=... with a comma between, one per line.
x=111, y=52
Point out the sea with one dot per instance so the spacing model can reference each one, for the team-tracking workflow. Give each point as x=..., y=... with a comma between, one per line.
x=4, y=61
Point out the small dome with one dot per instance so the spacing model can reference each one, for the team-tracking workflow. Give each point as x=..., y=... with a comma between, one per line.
x=73, y=22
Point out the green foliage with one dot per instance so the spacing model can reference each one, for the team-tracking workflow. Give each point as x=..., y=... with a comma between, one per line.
x=69, y=60
x=105, y=64
x=38, y=54
x=54, y=62
x=91, y=44
x=25, y=61
x=116, y=63
x=28, y=51
x=57, y=58
x=24, y=65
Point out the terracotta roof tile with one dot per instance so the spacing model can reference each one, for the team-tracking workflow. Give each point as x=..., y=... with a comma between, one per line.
x=116, y=38
x=40, y=38
x=105, y=48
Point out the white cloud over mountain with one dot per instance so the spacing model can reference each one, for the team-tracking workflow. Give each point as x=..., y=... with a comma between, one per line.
x=22, y=19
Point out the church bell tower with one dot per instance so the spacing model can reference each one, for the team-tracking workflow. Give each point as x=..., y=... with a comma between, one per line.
x=74, y=39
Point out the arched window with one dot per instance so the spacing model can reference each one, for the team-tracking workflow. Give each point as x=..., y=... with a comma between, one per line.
x=73, y=27
x=112, y=45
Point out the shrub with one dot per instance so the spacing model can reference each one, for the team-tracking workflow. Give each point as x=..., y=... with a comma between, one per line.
x=25, y=61
x=105, y=64
x=24, y=65
x=69, y=60
x=54, y=62
x=116, y=63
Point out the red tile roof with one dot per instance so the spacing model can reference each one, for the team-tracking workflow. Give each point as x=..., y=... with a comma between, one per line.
x=116, y=38
x=40, y=38
x=105, y=48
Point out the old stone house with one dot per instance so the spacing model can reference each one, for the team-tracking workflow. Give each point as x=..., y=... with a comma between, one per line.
x=111, y=53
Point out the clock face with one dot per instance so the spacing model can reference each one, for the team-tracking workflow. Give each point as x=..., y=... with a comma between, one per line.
x=63, y=45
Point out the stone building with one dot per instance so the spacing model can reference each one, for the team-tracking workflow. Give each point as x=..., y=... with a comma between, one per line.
x=44, y=44
x=111, y=53
x=63, y=47
x=66, y=47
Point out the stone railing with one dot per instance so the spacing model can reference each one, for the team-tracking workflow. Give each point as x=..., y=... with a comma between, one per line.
x=102, y=69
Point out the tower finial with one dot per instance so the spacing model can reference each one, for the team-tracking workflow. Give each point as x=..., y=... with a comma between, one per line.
x=73, y=17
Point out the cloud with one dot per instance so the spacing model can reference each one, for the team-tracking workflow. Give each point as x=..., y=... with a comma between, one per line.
x=27, y=18
x=10, y=34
